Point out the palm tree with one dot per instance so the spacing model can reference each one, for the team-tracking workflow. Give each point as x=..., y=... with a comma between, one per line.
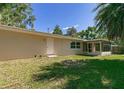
x=110, y=18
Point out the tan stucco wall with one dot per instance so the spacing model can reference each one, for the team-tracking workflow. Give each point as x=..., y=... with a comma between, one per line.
x=62, y=47
x=16, y=45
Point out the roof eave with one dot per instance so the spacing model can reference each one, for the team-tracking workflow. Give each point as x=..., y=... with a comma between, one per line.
x=25, y=31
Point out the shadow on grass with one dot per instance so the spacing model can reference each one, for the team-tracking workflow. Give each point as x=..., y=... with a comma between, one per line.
x=87, y=74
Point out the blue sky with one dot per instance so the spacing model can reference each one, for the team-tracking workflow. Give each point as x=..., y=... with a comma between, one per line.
x=66, y=15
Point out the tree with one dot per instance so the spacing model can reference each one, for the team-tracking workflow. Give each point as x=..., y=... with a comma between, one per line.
x=57, y=30
x=90, y=33
x=18, y=15
x=110, y=18
x=71, y=32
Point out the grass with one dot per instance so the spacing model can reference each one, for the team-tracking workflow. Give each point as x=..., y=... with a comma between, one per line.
x=86, y=72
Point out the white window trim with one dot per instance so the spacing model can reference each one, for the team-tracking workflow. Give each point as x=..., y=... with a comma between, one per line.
x=75, y=48
x=75, y=45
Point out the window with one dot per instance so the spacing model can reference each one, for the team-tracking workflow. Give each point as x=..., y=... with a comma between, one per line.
x=75, y=45
x=78, y=45
x=72, y=44
x=97, y=46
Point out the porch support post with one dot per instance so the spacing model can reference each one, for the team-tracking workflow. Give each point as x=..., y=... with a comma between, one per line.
x=93, y=47
x=100, y=47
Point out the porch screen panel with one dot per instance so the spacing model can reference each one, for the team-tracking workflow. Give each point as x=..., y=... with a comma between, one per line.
x=84, y=47
x=97, y=46
x=89, y=47
x=106, y=46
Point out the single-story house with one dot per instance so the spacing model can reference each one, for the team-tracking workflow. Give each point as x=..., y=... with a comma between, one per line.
x=21, y=43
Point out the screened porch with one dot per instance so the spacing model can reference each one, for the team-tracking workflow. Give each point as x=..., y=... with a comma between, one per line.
x=97, y=47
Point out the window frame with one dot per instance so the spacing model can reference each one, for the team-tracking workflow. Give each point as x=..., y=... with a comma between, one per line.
x=72, y=46
x=77, y=45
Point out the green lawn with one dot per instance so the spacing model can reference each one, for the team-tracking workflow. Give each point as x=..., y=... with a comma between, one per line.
x=84, y=72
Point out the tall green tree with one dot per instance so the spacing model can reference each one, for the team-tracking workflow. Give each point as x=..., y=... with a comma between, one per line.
x=71, y=32
x=18, y=15
x=91, y=33
x=57, y=30
x=110, y=18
